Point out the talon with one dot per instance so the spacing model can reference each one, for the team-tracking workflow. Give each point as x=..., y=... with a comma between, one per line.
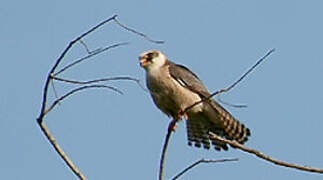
x=185, y=115
x=172, y=125
x=182, y=113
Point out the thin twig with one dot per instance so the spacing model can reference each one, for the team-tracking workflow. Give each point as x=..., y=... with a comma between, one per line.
x=266, y=157
x=199, y=162
x=101, y=80
x=162, y=159
x=232, y=85
x=54, y=89
x=76, y=90
x=136, y=32
x=89, y=56
x=96, y=80
x=229, y=104
x=85, y=46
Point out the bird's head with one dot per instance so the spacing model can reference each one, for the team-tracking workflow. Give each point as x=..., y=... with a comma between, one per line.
x=152, y=59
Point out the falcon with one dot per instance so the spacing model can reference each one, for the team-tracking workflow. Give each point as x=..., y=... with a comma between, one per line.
x=174, y=87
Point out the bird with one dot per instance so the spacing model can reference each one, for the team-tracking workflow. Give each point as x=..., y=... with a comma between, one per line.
x=173, y=88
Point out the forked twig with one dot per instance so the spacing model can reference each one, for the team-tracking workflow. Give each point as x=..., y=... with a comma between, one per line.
x=58, y=61
x=43, y=109
x=88, y=56
x=168, y=135
x=264, y=156
x=52, y=75
x=85, y=46
x=199, y=162
x=136, y=32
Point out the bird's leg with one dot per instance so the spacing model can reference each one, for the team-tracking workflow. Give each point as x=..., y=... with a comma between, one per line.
x=172, y=125
x=183, y=113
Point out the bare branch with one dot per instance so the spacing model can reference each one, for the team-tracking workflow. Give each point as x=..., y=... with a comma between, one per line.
x=96, y=80
x=136, y=32
x=70, y=45
x=89, y=56
x=199, y=162
x=266, y=157
x=60, y=151
x=101, y=80
x=43, y=110
x=232, y=85
x=52, y=74
x=162, y=159
x=79, y=89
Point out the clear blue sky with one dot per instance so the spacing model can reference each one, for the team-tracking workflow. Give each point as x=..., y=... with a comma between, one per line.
x=111, y=136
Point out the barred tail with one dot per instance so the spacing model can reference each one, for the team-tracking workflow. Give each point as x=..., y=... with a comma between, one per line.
x=233, y=129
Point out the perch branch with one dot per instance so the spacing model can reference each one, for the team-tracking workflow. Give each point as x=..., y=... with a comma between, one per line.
x=266, y=157
x=199, y=162
x=163, y=155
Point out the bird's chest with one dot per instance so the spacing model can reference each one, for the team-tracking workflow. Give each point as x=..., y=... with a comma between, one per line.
x=168, y=94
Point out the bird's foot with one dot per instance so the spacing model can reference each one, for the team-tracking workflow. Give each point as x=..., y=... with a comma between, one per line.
x=172, y=125
x=182, y=113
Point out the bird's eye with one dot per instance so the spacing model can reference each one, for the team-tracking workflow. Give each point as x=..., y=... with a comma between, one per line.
x=150, y=56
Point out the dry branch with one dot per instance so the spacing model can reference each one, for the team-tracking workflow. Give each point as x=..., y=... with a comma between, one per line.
x=163, y=155
x=73, y=91
x=52, y=75
x=91, y=54
x=199, y=162
x=266, y=157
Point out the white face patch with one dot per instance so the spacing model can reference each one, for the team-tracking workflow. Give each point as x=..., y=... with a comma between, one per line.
x=156, y=62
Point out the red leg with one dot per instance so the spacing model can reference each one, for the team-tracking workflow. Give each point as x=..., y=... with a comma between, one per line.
x=182, y=113
x=172, y=125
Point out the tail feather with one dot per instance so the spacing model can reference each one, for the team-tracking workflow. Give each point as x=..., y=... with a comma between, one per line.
x=233, y=129
x=216, y=119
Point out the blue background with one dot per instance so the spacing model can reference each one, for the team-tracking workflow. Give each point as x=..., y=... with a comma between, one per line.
x=111, y=136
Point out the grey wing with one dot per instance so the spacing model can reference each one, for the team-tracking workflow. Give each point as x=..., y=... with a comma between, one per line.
x=213, y=118
x=188, y=79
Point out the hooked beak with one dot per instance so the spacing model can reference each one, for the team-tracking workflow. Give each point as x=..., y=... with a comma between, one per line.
x=143, y=61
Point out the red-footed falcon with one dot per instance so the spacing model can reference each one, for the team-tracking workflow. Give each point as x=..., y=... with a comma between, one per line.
x=174, y=87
